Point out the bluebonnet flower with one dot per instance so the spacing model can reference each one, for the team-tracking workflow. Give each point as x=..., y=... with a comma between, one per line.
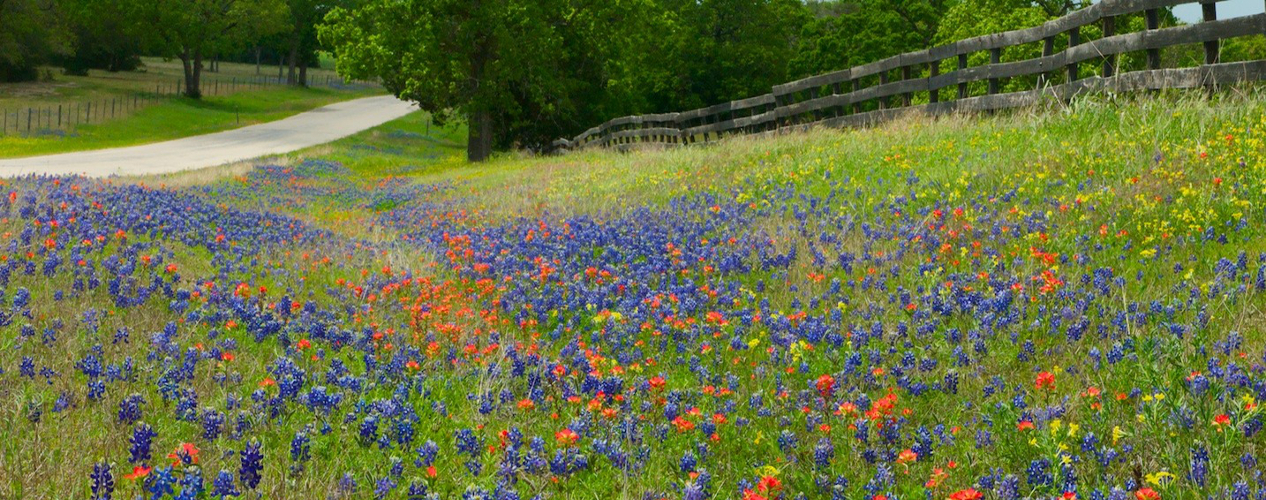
x=142, y=436
x=252, y=465
x=102, y=481
x=823, y=452
x=223, y=486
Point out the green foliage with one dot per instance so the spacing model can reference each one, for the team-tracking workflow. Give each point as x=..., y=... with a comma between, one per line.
x=964, y=19
x=843, y=34
x=105, y=36
x=712, y=51
x=1244, y=49
x=519, y=70
x=30, y=32
x=194, y=29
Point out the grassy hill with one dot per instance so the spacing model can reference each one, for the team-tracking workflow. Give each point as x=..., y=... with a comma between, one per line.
x=1022, y=305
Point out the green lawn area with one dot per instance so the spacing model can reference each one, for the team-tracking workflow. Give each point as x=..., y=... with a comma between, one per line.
x=180, y=117
x=161, y=116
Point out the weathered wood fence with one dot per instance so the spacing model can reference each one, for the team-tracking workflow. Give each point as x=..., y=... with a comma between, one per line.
x=884, y=89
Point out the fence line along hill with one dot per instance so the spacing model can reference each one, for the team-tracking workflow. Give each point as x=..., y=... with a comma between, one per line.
x=947, y=79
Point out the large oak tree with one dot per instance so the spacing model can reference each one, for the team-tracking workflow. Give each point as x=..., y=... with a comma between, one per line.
x=518, y=71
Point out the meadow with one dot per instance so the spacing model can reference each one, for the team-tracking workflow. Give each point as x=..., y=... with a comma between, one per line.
x=1056, y=303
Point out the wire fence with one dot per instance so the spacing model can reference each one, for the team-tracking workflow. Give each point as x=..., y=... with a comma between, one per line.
x=61, y=119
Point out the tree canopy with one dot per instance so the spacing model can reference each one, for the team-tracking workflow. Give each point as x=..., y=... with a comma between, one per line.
x=517, y=70
x=31, y=32
x=191, y=30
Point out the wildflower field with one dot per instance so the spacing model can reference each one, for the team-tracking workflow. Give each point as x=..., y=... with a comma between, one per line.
x=1052, y=304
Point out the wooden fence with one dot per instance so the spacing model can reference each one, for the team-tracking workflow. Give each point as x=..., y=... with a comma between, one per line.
x=945, y=83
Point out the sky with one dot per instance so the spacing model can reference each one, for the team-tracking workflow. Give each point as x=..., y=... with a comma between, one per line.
x=1226, y=10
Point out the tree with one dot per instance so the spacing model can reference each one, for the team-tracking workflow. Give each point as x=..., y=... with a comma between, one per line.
x=844, y=34
x=191, y=30
x=105, y=36
x=31, y=31
x=710, y=51
x=513, y=69
x=301, y=38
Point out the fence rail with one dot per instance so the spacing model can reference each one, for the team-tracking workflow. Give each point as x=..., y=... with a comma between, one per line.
x=864, y=94
x=62, y=118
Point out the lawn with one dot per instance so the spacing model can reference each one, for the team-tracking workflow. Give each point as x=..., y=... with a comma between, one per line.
x=154, y=73
x=134, y=114
x=1046, y=303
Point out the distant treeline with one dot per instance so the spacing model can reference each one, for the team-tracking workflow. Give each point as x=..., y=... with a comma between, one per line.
x=79, y=35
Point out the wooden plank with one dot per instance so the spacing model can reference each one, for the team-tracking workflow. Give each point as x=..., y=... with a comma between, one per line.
x=811, y=82
x=1178, y=35
x=880, y=66
x=824, y=102
x=752, y=102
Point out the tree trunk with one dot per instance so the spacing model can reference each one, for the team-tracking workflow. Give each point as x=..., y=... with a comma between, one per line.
x=479, y=136
x=191, y=61
x=291, y=77
x=479, y=121
x=303, y=75
x=256, y=59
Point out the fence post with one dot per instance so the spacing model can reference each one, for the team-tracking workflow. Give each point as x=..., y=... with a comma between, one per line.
x=1074, y=39
x=28, y=120
x=908, y=98
x=934, y=70
x=1109, y=61
x=88, y=115
x=883, y=79
x=1153, y=55
x=111, y=107
x=857, y=85
x=59, y=116
x=1048, y=49
x=995, y=57
x=1211, y=46
x=962, y=86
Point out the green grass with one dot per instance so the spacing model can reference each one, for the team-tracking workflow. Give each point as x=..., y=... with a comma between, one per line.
x=154, y=75
x=180, y=117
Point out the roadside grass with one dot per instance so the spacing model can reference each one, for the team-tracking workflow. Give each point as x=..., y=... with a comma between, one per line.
x=180, y=117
